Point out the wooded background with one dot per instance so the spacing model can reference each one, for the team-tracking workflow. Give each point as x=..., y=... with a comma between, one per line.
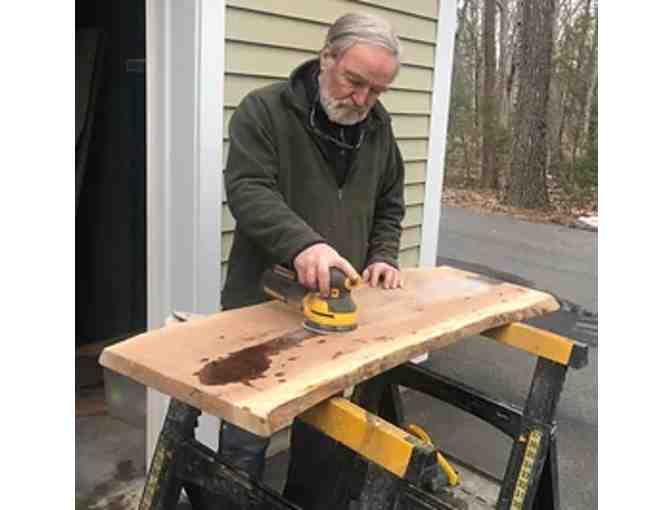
x=524, y=102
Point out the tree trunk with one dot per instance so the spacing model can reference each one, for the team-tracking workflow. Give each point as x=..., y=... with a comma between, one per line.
x=528, y=165
x=592, y=69
x=579, y=106
x=511, y=85
x=488, y=102
x=457, y=56
x=555, y=128
x=465, y=154
x=592, y=123
x=556, y=101
x=503, y=64
x=477, y=63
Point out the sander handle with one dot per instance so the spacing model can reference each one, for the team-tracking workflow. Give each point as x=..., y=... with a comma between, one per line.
x=281, y=283
x=338, y=280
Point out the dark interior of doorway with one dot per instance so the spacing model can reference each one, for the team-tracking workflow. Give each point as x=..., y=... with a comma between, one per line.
x=110, y=172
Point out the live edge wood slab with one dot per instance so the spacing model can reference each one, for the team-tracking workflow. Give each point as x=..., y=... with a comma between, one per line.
x=258, y=368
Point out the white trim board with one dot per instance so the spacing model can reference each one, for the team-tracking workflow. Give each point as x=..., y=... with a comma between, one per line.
x=185, y=104
x=443, y=67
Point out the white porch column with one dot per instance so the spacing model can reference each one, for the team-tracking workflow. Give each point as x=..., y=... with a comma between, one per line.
x=443, y=67
x=185, y=108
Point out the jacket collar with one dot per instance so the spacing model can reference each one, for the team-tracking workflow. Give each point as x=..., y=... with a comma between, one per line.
x=296, y=95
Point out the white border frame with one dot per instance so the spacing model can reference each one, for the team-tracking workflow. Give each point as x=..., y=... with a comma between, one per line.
x=443, y=68
x=185, y=108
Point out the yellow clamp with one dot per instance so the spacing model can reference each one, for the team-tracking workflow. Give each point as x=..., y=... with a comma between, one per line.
x=453, y=477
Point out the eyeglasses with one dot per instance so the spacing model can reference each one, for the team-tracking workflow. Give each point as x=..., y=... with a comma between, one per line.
x=339, y=143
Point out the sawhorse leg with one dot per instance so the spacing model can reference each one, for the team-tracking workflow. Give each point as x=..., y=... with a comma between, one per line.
x=333, y=462
x=535, y=466
x=162, y=488
x=531, y=478
x=181, y=462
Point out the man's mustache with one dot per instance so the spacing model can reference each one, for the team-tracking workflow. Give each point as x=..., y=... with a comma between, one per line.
x=344, y=103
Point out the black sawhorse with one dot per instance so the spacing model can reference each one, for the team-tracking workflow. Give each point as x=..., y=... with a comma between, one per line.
x=325, y=474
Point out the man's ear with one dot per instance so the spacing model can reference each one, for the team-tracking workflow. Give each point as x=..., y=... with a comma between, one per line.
x=326, y=58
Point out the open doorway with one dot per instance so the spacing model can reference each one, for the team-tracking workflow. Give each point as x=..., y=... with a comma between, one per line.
x=111, y=266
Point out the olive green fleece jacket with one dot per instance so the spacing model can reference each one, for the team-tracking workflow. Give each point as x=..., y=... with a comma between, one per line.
x=284, y=196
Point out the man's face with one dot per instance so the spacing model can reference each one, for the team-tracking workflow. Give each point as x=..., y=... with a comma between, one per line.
x=351, y=84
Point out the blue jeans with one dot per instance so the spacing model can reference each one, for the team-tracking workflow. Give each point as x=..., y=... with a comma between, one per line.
x=242, y=449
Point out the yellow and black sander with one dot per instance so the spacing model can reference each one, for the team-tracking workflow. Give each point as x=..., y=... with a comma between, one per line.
x=334, y=314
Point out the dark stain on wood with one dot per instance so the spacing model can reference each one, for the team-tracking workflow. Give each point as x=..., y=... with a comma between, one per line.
x=250, y=363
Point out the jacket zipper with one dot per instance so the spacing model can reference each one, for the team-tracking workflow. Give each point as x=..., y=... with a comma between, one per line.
x=340, y=189
x=351, y=171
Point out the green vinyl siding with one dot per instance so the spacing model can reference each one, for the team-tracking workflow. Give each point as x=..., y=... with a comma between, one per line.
x=409, y=257
x=326, y=11
x=413, y=216
x=416, y=171
x=280, y=32
x=422, y=8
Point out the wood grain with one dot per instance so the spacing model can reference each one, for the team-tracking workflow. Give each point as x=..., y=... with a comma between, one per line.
x=257, y=367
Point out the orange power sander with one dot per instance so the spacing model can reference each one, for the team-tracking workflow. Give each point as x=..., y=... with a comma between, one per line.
x=334, y=314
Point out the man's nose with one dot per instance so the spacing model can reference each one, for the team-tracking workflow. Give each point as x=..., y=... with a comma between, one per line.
x=360, y=96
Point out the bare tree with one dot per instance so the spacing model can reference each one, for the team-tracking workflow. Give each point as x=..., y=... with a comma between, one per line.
x=581, y=85
x=556, y=126
x=461, y=123
x=557, y=107
x=592, y=84
x=503, y=63
x=489, y=100
x=474, y=18
x=457, y=56
x=535, y=48
x=503, y=53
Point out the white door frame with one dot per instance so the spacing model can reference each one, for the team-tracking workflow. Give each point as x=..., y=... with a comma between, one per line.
x=185, y=108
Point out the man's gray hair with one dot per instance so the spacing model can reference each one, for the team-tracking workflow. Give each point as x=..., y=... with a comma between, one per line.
x=354, y=28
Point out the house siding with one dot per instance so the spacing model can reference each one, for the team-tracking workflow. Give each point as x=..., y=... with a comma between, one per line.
x=267, y=39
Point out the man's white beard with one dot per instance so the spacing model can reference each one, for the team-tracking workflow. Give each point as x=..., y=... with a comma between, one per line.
x=342, y=111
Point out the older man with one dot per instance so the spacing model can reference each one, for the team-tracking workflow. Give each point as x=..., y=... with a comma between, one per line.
x=315, y=179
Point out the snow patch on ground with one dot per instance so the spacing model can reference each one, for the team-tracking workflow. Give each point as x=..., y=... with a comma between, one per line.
x=587, y=223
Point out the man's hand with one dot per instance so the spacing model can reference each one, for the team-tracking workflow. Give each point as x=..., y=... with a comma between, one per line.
x=312, y=266
x=390, y=275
